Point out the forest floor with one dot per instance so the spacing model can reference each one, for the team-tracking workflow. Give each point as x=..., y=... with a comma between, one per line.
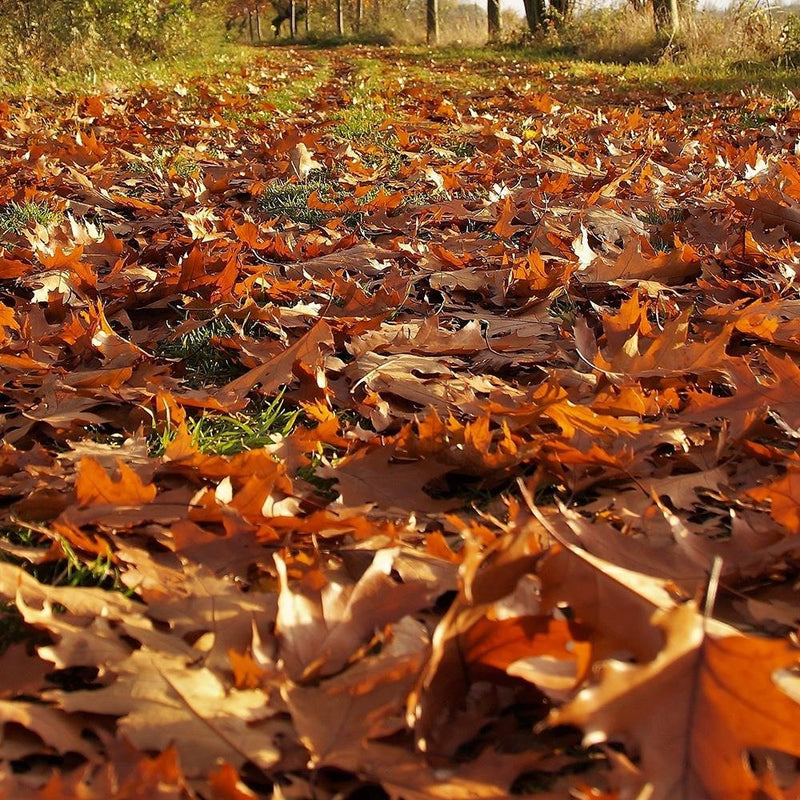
x=387, y=424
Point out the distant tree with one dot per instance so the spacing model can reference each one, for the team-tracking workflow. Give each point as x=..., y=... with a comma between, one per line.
x=432, y=17
x=535, y=14
x=287, y=11
x=493, y=13
x=561, y=10
x=666, y=17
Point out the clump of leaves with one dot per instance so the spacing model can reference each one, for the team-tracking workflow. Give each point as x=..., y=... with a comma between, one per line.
x=504, y=360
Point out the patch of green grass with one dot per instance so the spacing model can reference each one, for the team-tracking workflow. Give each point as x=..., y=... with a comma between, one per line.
x=16, y=217
x=202, y=360
x=67, y=571
x=460, y=147
x=385, y=152
x=325, y=486
x=229, y=434
x=665, y=76
x=291, y=96
x=362, y=120
x=162, y=162
x=284, y=99
x=289, y=200
x=212, y=56
x=72, y=571
x=564, y=308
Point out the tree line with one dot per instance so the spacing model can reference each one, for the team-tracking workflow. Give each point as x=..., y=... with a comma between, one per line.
x=264, y=18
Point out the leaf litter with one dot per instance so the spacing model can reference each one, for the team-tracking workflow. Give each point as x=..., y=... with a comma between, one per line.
x=508, y=499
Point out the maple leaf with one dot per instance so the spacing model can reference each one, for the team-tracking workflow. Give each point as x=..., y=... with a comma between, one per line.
x=714, y=699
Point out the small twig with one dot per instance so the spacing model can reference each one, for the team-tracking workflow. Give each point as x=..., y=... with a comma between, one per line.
x=485, y=332
x=711, y=590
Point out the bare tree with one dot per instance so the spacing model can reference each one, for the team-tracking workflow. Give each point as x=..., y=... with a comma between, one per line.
x=666, y=17
x=432, y=16
x=493, y=9
x=535, y=14
x=339, y=18
x=562, y=9
x=258, y=22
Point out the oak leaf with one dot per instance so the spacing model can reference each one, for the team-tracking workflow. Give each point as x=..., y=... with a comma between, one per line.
x=94, y=486
x=784, y=499
x=163, y=700
x=695, y=711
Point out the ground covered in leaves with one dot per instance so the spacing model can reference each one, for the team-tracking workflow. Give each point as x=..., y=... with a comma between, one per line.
x=375, y=427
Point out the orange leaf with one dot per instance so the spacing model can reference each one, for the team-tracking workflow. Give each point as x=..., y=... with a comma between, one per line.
x=94, y=486
x=784, y=498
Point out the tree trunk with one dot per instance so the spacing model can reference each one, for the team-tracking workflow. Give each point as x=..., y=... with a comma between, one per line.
x=293, y=18
x=432, y=17
x=562, y=10
x=534, y=13
x=339, y=18
x=666, y=17
x=359, y=15
x=493, y=9
x=250, y=25
x=258, y=22
x=308, y=14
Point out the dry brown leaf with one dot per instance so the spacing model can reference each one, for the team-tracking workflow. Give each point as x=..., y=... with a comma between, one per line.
x=714, y=700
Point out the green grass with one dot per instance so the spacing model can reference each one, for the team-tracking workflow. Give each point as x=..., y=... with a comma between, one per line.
x=162, y=162
x=257, y=427
x=384, y=152
x=212, y=57
x=548, y=64
x=289, y=200
x=282, y=99
x=201, y=359
x=229, y=434
x=71, y=570
x=359, y=121
x=16, y=217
